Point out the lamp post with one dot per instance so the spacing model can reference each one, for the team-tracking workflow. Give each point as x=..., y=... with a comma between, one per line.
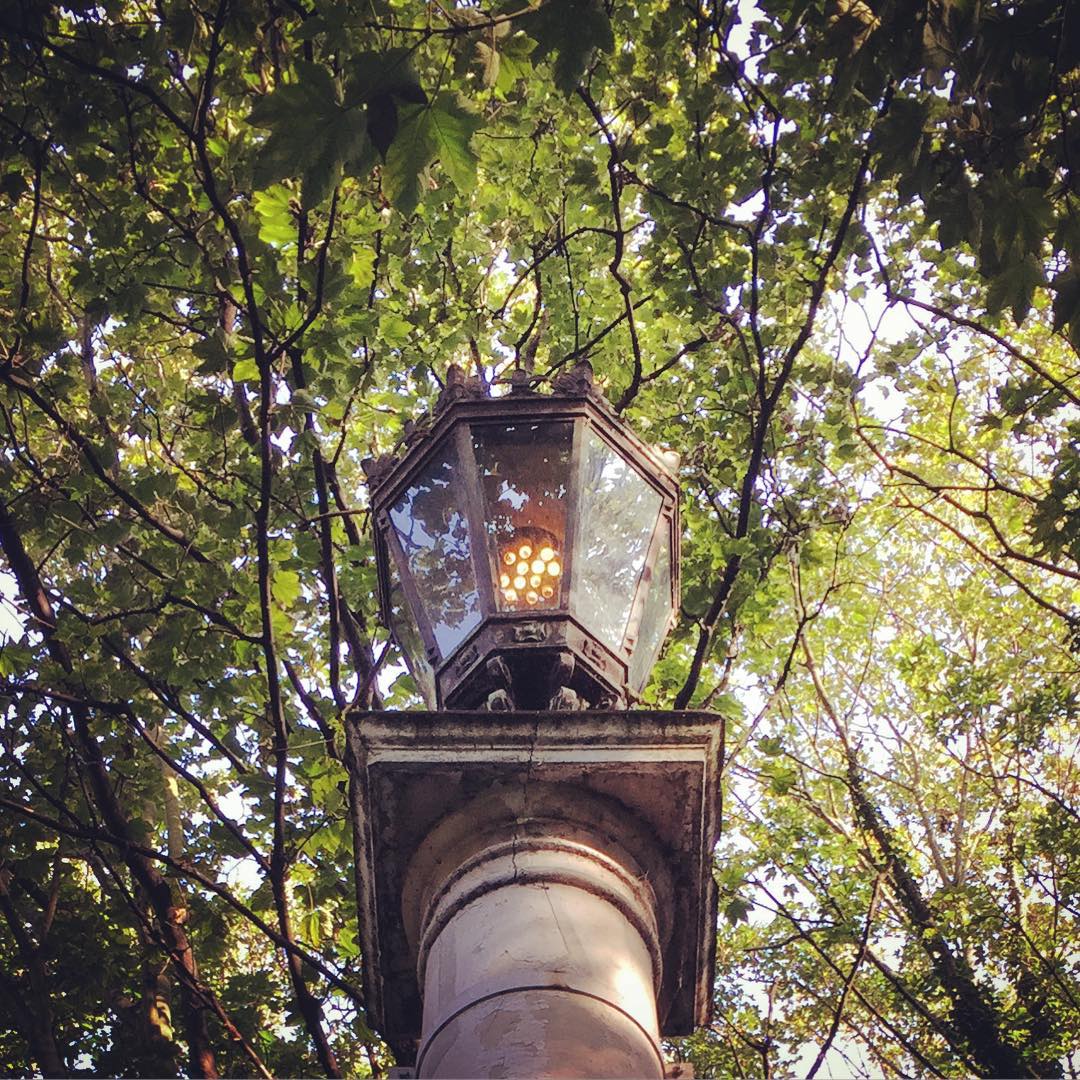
x=533, y=858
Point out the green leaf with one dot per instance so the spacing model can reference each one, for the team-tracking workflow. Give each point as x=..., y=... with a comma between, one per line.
x=453, y=125
x=1066, y=299
x=571, y=31
x=312, y=134
x=781, y=778
x=441, y=130
x=370, y=75
x=245, y=371
x=277, y=223
x=1030, y=218
x=1014, y=287
x=515, y=62
x=381, y=82
x=312, y=928
x=13, y=184
x=286, y=587
x=310, y=27
x=305, y=401
x=14, y=658
x=407, y=159
x=771, y=746
x=362, y=267
x=898, y=136
x=346, y=942
x=393, y=329
x=737, y=910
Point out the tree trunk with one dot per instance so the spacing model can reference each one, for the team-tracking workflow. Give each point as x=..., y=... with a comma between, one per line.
x=155, y=1006
x=35, y=1016
x=35, y=1022
x=974, y=1018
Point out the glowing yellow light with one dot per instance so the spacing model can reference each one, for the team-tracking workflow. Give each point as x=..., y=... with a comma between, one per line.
x=527, y=566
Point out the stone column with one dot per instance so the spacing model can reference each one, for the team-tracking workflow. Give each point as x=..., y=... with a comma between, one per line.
x=538, y=948
x=535, y=889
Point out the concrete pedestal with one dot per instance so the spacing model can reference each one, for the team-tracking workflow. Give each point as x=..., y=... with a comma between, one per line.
x=535, y=890
x=538, y=955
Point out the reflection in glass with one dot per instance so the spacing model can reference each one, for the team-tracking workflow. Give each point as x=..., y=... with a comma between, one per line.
x=618, y=514
x=434, y=534
x=407, y=636
x=524, y=471
x=654, y=617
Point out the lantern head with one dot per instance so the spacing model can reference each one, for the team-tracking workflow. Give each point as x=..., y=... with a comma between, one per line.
x=527, y=548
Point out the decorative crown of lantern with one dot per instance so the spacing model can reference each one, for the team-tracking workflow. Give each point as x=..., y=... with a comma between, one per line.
x=527, y=548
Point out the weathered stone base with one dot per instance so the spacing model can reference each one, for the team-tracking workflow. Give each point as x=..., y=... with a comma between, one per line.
x=535, y=889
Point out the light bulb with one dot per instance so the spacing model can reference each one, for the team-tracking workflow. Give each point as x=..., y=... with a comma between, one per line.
x=534, y=581
x=554, y=569
x=538, y=566
x=504, y=581
x=511, y=595
x=522, y=567
x=525, y=550
x=547, y=592
x=547, y=554
x=510, y=558
x=519, y=582
x=531, y=596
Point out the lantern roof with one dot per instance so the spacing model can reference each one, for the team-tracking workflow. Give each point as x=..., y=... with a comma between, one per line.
x=468, y=395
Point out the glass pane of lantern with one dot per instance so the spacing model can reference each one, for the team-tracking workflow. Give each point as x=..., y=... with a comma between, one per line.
x=524, y=471
x=407, y=636
x=654, y=617
x=433, y=532
x=617, y=517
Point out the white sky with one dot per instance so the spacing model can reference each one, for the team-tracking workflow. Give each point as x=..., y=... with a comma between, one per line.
x=11, y=626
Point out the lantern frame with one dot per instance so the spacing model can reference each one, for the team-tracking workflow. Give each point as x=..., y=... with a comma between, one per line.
x=538, y=657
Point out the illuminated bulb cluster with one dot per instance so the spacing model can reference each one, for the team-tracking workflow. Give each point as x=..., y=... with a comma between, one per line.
x=529, y=572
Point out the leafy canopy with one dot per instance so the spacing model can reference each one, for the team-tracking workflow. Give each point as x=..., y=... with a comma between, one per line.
x=827, y=250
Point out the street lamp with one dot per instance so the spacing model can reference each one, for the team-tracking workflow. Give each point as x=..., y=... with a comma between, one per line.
x=527, y=548
x=534, y=858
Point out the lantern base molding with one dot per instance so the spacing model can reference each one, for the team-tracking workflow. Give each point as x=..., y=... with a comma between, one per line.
x=548, y=661
x=535, y=887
